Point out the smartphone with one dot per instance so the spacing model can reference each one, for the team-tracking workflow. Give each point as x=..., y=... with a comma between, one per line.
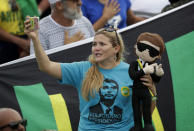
x=34, y=21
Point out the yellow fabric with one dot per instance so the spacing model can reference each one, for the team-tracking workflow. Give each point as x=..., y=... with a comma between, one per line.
x=157, y=120
x=10, y=21
x=60, y=112
x=155, y=115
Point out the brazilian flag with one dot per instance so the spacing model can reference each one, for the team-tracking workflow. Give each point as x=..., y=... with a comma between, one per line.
x=48, y=105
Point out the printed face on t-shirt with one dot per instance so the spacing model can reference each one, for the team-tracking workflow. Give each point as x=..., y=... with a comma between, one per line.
x=109, y=90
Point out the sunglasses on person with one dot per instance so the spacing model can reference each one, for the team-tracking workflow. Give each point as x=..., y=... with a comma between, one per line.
x=15, y=125
x=152, y=51
x=110, y=29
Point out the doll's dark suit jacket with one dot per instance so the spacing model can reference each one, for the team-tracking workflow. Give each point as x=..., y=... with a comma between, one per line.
x=140, y=94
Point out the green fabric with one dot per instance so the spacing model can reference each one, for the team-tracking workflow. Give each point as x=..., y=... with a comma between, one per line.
x=181, y=56
x=36, y=107
x=28, y=7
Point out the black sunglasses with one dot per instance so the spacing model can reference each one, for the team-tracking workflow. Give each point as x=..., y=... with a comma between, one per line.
x=152, y=51
x=110, y=29
x=15, y=125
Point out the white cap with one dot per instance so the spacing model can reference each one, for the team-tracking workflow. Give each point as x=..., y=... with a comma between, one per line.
x=53, y=1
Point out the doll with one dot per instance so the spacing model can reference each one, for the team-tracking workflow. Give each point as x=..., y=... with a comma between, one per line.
x=148, y=49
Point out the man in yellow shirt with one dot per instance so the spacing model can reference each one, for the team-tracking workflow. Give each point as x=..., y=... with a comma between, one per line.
x=13, y=42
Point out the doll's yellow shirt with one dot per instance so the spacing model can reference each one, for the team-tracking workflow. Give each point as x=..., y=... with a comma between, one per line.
x=10, y=21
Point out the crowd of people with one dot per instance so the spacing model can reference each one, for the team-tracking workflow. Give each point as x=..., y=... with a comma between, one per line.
x=100, y=80
x=60, y=26
x=105, y=13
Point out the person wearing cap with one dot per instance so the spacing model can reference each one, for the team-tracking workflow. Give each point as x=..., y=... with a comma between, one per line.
x=148, y=48
x=11, y=120
x=64, y=25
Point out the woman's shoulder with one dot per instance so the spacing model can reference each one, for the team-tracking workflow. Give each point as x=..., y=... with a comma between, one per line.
x=80, y=63
x=125, y=64
x=85, y=63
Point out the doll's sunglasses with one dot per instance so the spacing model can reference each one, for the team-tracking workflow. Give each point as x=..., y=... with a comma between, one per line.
x=152, y=51
x=15, y=125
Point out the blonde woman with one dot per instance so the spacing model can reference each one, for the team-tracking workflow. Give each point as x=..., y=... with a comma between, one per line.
x=102, y=82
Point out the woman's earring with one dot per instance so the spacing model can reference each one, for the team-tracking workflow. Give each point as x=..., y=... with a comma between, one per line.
x=115, y=57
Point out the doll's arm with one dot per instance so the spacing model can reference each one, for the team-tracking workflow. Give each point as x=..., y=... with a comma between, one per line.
x=133, y=71
x=158, y=73
x=155, y=78
x=159, y=70
x=149, y=69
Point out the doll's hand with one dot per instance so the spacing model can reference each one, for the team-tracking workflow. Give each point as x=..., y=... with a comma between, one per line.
x=148, y=69
x=159, y=70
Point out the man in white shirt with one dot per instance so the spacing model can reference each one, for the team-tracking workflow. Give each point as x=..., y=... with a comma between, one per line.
x=65, y=25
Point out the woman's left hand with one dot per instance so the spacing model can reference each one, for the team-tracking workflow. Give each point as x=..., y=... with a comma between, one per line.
x=147, y=81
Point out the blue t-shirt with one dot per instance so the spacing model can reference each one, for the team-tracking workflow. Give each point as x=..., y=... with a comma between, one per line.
x=111, y=108
x=93, y=10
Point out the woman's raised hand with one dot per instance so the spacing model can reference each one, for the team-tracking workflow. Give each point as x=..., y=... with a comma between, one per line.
x=27, y=30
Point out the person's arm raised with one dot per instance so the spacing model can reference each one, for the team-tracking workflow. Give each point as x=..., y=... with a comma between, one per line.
x=44, y=64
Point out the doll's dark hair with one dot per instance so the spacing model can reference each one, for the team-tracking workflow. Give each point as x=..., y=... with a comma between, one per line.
x=153, y=38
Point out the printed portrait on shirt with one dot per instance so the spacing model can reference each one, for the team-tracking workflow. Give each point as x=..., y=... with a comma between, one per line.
x=105, y=112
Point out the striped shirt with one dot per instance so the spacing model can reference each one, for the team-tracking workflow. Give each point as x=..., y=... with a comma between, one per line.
x=51, y=34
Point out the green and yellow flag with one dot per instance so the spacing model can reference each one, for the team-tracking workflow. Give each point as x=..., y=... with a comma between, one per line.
x=48, y=105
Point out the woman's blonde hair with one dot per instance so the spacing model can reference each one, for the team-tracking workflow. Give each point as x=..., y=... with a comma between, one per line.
x=93, y=80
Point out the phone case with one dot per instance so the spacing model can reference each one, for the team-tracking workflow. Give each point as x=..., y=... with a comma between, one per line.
x=34, y=23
